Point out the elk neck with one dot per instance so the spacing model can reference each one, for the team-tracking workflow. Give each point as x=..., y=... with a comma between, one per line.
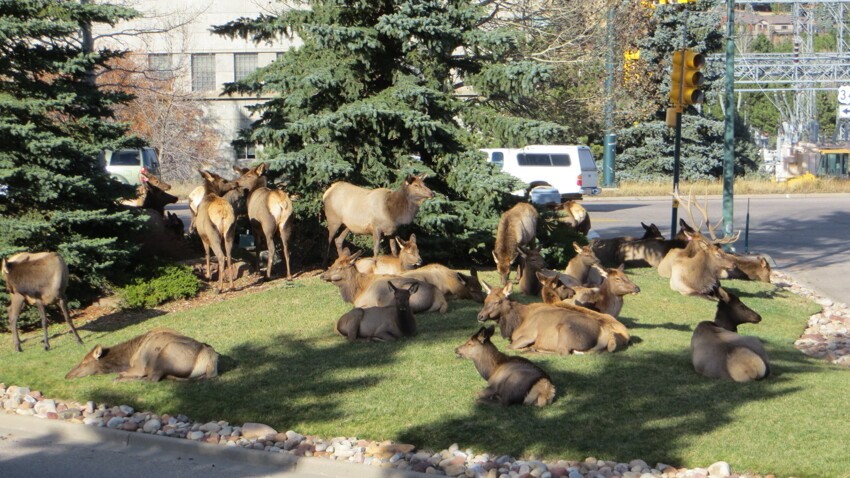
x=723, y=318
x=406, y=321
x=511, y=317
x=488, y=360
x=400, y=206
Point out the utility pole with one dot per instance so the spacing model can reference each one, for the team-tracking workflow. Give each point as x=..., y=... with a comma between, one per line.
x=610, y=137
x=729, y=122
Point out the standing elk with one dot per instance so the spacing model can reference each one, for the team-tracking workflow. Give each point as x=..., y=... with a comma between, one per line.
x=453, y=284
x=510, y=380
x=718, y=351
x=371, y=290
x=561, y=329
x=695, y=270
x=385, y=323
x=216, y=225
x=408, y=258
x=377, y=212
x=517, y=227
x=40, y=279
x=530, y=263
x=157, y=354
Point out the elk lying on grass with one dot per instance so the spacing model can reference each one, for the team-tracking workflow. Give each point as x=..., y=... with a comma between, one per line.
x=562, y=329
x=554, y=292
x=372, y=290
x=718, y=351
x=453, y=284
x=157, y=354
x=649, y=252
x=39, y=279
x=579, y=269
x=510, y=380
x=615, y=284
x=607, y=249
x=270, y=213
x=408, y=258
x=378, y=212
x=390, y=322
x=530, y=263
x=695, y=270
x=216, y=225
x=748, y=268
x=517, y=227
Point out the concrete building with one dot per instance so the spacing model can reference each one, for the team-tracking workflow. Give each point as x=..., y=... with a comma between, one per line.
x=173, y=39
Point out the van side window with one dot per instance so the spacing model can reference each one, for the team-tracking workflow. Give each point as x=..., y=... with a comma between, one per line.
x=530, y=159
x=498, y=158
x=560, y=160
x=125, y=157
x=150, y=158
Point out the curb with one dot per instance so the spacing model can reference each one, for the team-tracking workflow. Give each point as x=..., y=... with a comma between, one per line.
x=314, y=466
x=592, y=199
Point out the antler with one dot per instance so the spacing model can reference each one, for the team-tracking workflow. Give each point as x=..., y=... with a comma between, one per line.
x=704, y=211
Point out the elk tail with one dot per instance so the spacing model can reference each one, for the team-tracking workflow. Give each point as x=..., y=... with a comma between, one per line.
x=542, y=393
x=744, y=365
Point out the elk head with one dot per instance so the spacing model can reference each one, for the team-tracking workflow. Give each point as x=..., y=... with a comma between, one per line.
x=251, y=178
x=416, y=189
x=342, y=268
x=409, y=250
x=215, y=184
x=496, y=300
x=618, y=282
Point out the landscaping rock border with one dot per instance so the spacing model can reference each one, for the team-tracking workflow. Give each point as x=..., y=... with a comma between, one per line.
x=826, y=336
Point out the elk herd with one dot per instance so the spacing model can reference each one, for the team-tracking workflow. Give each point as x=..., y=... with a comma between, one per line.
x=578, y=311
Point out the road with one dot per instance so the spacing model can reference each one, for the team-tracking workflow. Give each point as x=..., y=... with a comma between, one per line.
x=807, y=236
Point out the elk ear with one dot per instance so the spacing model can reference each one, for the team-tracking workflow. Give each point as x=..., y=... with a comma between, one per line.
x=522, y=252
x=622, y=267
x=645, y=227
x=401, y=243
x=346, y=251
x=410, y=179
x=541, y=276
x=462, y=278
x=412, y=238
x=486, y=287
x=261, y=168
x=473, y=272
x=602, y=271
x=723, y=295
x=508, y=288
x=488, y=332
x=206, y=175
x=495, y=258
x=97, y=352
x=577, y=248
x=391, y=286
x=412, y=289
x=355, y=256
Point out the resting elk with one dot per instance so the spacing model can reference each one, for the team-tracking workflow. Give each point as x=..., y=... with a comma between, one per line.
x=579, y=269
x=718, y=351
x=615, y=284
x=575, y=215
x=561, y=329
x=408, y=258
x=510, y=380
x=157, y=354
x=517, y=227
x=650, y=252
x=377, y=212
x=386, y=323
x=371, y=290
x=748, y=268
x=453, y=284
x=39, y=279
x=607, y=249
x=216, y=225
x=695, y=270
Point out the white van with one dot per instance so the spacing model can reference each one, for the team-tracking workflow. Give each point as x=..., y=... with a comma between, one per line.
x=568, y=168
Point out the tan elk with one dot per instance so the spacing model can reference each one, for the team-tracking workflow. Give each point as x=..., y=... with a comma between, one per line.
x=510, y=380
x=607, y=249
x=216, y=226
x=561, y=329
x=753, y=267
x=615, y=284
x=155, y=355
x=385, y=323
x=718, y=351
x=649, y=252
x=579, y=269
x=270, y=212
x=453, y=284
x=222, y=187
x=555, y=292
x=378, y=212
x=371, y=290
x=530, y=263
x=40, y=279
x=408, y=259
x=575, y=215
x=695, y=270
x=517, y=227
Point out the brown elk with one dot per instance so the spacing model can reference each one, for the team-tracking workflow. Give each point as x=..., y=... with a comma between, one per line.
x=615, y=284
x=517, y=227
x=562, y=329
x=270, y=213
x=371, y=290
x=575, y=215
x=695, y=270
x=580, y=267
x=377, y=212
x=39, y=279
x=555, y=292
x=386, y=323
x=748, y=268
x=222, y=187
x=151, y=194
x=216, y=225
x=510, y=380
x=718, y=351
x=530, y=263
x=408, y=258
x=649, y=252
x=607, y=249
x=157, y=354
x=453, y=284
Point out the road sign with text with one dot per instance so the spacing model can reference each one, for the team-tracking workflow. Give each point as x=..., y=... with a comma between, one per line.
x=844, y=95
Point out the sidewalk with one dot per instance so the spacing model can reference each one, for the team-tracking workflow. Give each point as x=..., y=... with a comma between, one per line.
x=46, y=448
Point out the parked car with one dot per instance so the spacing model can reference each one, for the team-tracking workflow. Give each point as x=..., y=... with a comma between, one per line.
x=126, y=165
x=568, y=168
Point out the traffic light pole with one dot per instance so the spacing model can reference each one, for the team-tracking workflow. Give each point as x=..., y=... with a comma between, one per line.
x=677, y=145
x=729, y=123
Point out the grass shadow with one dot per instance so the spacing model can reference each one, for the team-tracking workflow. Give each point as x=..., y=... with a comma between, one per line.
x=120, y=319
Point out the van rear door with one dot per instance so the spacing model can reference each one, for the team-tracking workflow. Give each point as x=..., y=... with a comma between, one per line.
x=589, y=174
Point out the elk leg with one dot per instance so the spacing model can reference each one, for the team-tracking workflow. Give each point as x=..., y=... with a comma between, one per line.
x=40, y=306
x=63, y=304
x=393, y=246
x=520, y=342
x=228, y=248
x=15, y=305
x=376, y=241
x=285, y=232
x=332, y=229
x=207, y=254
x=269, y=234
x=340, y=240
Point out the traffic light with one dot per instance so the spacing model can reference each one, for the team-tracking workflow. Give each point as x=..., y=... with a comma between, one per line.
x=686, y=78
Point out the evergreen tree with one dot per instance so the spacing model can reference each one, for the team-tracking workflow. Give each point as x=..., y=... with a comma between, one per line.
x=373, y=86
x=54, y=121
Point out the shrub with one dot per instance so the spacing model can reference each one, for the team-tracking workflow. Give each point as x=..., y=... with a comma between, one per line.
x=167, y=283
x=556, y=239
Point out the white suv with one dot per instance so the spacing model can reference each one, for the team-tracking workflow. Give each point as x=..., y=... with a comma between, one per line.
x=126, y=165
x=568, y=168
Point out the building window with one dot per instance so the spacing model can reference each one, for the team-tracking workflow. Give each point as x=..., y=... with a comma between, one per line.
x=244, y=64
x=245, y=152
x=203, y=72
x=160, y=67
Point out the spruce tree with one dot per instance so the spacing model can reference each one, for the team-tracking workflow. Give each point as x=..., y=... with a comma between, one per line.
x=369, y=97
x=54, y=121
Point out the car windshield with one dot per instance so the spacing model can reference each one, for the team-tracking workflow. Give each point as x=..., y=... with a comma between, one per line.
x=125, y=158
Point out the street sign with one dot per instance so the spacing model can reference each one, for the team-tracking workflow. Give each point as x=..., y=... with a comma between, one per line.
x=843, y=111
x=844, y=95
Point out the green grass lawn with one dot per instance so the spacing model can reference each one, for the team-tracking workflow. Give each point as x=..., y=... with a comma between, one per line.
x=283, y=365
